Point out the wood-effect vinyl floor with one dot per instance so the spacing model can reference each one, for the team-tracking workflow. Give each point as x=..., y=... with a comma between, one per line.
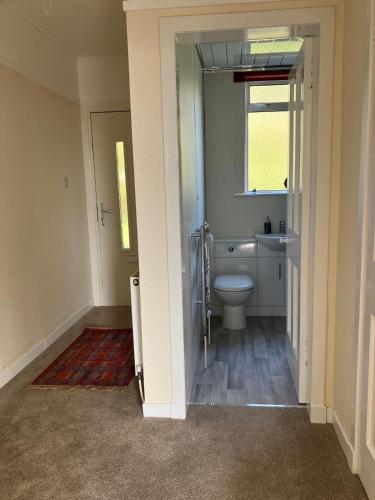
x=245, y=366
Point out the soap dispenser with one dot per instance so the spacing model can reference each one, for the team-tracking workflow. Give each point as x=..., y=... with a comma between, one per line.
x=267, y=226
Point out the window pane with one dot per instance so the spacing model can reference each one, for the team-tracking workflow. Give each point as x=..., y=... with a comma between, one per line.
x=295, y=45
x=123, y=195
x=268, y=150
x=269, y=93
x=286, y=45
x=264, y=47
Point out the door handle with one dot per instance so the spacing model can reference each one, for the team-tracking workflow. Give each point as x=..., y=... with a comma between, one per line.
x=104, y=211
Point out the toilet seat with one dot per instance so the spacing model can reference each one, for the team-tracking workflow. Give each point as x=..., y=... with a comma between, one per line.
x=233, y=282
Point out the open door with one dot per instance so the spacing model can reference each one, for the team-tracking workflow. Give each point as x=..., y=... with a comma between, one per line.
x=297, y=252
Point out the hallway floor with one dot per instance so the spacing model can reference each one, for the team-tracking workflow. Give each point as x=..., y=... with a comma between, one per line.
x=245, y=366
x=95, y=445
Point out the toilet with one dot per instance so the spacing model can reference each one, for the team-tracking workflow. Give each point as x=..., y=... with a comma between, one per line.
x=233, y=290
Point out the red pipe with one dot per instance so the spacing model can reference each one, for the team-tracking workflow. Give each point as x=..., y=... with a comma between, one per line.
x=260, y=76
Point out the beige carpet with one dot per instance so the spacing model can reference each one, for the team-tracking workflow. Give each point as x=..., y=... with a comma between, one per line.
x=96, y=445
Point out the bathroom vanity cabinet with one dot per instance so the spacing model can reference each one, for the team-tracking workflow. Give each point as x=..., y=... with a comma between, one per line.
x=271, y=278
x=271, y=282
x=267, y=268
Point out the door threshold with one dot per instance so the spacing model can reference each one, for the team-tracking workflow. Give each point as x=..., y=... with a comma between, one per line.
x=251, y=405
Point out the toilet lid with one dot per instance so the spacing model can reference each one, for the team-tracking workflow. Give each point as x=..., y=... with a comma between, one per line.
x=233, y=282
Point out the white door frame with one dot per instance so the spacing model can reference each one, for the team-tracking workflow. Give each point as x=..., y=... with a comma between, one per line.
x=367, y=163
x=89, y=169
x=169, y=28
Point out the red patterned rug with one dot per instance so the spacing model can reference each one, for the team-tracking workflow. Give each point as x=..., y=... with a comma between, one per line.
x=99, y=357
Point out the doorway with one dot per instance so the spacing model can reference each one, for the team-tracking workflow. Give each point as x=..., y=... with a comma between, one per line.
x=193, y=32
x=256, y=143
x=115, y=204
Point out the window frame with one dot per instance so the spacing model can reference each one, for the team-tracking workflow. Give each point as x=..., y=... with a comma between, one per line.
x=260, y=108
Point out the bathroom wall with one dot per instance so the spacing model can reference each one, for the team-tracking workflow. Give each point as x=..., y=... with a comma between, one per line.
x=229, y=215
x=191, y=125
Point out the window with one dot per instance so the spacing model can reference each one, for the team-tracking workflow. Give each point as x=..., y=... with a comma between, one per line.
x=278, y=46
x=267, y=138
x=123, y=195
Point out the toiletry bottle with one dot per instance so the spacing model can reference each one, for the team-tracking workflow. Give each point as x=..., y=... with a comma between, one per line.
x=267, y=226
x=282, y=227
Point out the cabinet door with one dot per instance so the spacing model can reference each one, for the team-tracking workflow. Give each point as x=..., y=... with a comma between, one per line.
x=271, y=282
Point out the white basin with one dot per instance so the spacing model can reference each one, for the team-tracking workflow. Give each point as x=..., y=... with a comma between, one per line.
x=274, y=241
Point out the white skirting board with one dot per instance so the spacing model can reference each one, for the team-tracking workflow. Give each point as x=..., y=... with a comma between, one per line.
x=342, y=436
x=165, y=410
x=12, y=370
x=317, y=414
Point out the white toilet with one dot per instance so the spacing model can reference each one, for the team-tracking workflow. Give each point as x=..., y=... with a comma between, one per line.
x=234, y=290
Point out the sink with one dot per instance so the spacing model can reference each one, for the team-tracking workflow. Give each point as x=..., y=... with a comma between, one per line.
x=274, y=241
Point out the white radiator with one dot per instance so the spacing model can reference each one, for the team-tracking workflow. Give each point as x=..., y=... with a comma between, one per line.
x=136, y=320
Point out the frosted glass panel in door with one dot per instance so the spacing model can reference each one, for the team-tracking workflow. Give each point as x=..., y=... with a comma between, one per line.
x=115, y=204
x=123, y=194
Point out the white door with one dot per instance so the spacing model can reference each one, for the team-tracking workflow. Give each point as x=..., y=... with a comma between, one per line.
x=367, y=420
x=113, y=160
x=298, y=219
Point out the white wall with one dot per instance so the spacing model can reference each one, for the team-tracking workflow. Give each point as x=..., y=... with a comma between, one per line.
x=104, y=80
x=355, y=78
x=190, y=96
x=26, y=50
x=228, y=215
x=147, y=125
x=44, y=254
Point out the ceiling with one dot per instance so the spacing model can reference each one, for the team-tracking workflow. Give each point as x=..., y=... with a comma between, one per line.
x=266, y=53
x=84, y=28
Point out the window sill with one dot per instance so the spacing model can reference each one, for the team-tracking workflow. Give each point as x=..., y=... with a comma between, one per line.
x=261, y=193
